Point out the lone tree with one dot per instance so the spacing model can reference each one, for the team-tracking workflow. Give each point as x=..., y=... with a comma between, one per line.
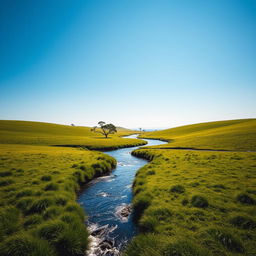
x=105, y=129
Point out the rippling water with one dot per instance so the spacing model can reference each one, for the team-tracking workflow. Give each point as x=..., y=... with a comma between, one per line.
x=104, y=196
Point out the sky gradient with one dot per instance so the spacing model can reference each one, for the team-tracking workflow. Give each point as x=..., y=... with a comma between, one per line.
x=135, y=63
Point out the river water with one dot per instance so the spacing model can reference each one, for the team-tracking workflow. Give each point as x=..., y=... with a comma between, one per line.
x=104, y=197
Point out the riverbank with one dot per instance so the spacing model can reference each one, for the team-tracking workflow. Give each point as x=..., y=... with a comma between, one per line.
x=194, y=203
x=38, y=187
x=39, y=183
x=107, y=203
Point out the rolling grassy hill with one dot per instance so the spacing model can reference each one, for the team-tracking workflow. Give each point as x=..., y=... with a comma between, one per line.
x=226, y=135
x=38, y=133
x=39, y=214
x=197, y=203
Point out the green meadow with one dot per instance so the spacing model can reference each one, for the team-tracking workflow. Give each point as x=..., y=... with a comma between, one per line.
x=39, y=185
x=187, y=201
x=196, y=203
x=47, y=134
x=222, y=135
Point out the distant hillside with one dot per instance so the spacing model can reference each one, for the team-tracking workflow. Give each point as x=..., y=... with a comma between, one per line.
x=228, y=135
x=39, y=133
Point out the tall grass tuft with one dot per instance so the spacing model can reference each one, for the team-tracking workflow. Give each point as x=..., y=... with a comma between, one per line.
x=199, y=201
x=10, y=221
x=24, y=245
x=228, y=240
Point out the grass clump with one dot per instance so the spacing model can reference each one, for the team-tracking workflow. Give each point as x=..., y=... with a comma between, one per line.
x=51, y=230
x=73, y=241
x=76, y=209
x=140, y=204
x=24, y=245
x=177, y=189
x=51, y=187
x=46, y=178
x=145, y=245
x=151, y=172
x=228, y=240
x=24, y=193
x=199, y=201
x=40, y=205
x=244, y=198
x=5, y=173
x=33, y=220
x=6, y=182
x=10, y=221
x=184, y=248
x=243, y=222
x=52, y=212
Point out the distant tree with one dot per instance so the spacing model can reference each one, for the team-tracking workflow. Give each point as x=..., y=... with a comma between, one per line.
x=105, y=129
x=72, y=125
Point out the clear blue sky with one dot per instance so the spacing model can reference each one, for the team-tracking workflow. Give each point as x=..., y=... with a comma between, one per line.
x=135, y=63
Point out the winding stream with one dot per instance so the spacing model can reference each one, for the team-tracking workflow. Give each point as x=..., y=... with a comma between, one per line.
x=106, y=197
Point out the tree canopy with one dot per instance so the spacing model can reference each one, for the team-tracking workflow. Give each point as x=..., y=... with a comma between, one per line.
x=104, y=129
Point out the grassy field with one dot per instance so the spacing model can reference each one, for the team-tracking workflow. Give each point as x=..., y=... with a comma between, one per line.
x=38, y=186
x=39, y=182
x=196, y=203
x=226, y=135
x=37, y=133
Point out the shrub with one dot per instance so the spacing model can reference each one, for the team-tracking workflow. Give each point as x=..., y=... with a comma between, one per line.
x=184, y=248
x=226, y=239
x=177, y=189
x=243, y=222
x=199, y=201
x=46, y=178
x=51, y=187
x=245, y=199
x=24, y=245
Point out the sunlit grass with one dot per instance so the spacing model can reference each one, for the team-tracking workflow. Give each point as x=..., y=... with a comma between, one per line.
x=38, y=186
x=202, y=201
x=37, y=133
x=226, y=135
